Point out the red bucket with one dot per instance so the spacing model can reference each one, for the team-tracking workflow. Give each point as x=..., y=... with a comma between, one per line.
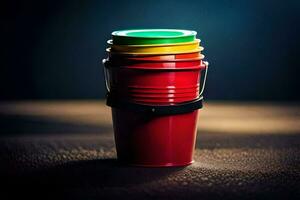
x=166, y=90
x=157, y=58
x=159, y=98
x=152, y=128
x=161, y=101
x=155, y=136
x=142, y=80
x=166, y=95
x=159, y=65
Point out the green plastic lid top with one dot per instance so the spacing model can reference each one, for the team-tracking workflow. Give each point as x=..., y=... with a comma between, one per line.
x=152, y=36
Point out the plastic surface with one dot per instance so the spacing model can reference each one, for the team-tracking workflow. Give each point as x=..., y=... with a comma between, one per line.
x=162, y=58
x=167, y=95
x=154, y=141
x=171, y=109
x=123, y=80
x=157, y=49
x=188, y=64
x=151, y=83
x=157, y=99
x=152, y=36
x=110, y=43
x=162, y=101
x=163, y=90
x=199, y=49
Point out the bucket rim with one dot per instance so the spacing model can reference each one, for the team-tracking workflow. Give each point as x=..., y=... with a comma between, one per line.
x=130, y=33
x=199, y=49
x=145, y=59
x=196, y=41
x=165, y=63
x=155, y=49
x=158, y=55
x=141, y=68
x=195, y=65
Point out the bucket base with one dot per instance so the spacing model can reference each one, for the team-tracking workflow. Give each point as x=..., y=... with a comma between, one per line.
x=150, y=140
x=158, y=165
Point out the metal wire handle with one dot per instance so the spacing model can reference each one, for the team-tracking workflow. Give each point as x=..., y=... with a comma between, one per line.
x=106, y=75
x=204, y=80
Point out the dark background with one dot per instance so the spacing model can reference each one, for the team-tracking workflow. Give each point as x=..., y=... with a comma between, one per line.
x=52, y=49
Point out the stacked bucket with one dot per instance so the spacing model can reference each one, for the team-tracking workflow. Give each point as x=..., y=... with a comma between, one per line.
x=153, y=80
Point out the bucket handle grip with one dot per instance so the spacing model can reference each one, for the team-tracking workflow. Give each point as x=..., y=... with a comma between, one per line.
x=204, y=80
x=155, y=109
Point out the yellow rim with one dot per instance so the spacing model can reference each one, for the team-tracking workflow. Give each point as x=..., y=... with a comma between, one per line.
x=156, y=52
x=156, y=49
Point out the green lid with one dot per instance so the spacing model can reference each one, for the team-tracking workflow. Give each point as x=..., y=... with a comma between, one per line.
x=152, y=36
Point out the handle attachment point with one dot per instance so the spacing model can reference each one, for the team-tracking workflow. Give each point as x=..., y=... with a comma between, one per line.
x=106, y=76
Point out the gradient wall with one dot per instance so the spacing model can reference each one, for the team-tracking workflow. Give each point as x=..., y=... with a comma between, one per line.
x=52, y=50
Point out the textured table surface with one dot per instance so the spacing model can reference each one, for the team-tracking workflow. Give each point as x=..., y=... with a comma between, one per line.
x=65, y=150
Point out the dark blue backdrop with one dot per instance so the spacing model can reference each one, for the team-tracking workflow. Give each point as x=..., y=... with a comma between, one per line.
x=52, y=49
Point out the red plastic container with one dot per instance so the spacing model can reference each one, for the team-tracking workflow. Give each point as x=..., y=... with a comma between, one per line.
x=154, y=141
x=125, y=79
x=150, y=139
x=152, y=81
x=173, y=64
x=158, y=98
x=162, y=95
x=165, y=90
x=158, y=58
x=162, y=101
